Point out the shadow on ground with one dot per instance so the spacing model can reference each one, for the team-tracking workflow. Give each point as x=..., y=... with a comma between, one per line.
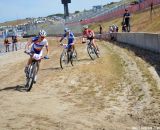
x=20, y=88
x=56, y=68
x=84, y=59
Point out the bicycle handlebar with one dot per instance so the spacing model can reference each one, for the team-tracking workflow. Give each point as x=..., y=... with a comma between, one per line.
x=29, y=53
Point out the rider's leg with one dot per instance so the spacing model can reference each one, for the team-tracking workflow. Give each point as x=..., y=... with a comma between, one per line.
x=95, y=45
x=38, y=65
x=73, y=47
x=28, y=63
x=37, y=57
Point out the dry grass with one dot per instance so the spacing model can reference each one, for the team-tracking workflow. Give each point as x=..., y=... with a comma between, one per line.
x=14, y=23
x=140, y=22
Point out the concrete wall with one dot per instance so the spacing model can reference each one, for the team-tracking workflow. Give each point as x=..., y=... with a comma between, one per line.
x=148, y=41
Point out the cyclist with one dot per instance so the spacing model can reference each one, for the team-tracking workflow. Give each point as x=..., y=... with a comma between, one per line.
x=89, y=34
x=37, y=43
x=70, y=36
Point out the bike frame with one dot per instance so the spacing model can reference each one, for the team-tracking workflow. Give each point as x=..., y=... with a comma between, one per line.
x=66, y=52
x=32, y=72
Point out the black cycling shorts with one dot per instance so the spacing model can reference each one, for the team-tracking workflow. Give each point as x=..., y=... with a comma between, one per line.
x=90, y=38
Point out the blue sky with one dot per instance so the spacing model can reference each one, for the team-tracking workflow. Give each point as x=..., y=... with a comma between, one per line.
x=18, y=9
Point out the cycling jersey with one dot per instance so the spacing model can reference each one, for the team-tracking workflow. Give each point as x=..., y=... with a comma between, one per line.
x=38, y=46
x=70, y=38
x=88, y=33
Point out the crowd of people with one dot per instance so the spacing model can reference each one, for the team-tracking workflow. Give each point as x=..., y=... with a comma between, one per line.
x=13, y=43
x=114, y=28
x=125, y=24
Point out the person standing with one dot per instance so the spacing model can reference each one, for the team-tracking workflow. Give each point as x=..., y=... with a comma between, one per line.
x=100, y=32
x=126, y=20
x=100, y=29
x=14, y=43
x=6, y=43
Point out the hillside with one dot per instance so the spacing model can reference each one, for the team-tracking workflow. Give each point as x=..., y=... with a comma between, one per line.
x=14, y=22
x=140, y=22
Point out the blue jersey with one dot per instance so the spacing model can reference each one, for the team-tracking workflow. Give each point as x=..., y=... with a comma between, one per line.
x=70, y=37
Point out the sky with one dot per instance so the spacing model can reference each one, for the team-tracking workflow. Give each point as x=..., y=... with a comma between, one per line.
x=20, y=9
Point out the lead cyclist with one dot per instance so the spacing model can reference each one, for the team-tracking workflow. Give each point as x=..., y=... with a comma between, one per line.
x=37, y=43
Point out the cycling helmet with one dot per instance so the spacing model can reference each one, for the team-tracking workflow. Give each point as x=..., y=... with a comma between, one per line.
x=85, y=26
x=42, y=33
x=66, y=30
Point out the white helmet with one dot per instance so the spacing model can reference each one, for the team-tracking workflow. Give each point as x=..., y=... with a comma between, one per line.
x=42, y=33
x=66, y=30
x=85, y=26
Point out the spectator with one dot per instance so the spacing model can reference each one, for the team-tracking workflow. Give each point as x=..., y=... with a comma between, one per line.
x=100, y=29
x=110, y=31
x=151, y=7
x=6, y=43
x=100, y=32
x=14, y=43
x=126, y=20
x=115, y=28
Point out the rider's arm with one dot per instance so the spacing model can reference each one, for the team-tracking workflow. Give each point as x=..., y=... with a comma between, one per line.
x=47, y=48
x=28, y=44
x=62, y=38
x=93, y=34
x=84, y=34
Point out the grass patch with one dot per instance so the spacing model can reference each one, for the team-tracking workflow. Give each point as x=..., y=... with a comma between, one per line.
x=140, y=22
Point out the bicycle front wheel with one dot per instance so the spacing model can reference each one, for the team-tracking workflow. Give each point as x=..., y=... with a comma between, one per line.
x=31, y=76
x=64, y=59
x=74, y=57
x=91, y=52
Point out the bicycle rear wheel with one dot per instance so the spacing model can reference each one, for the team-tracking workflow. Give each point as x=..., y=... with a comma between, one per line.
x=74, y=57
x=31, y=76
x=64, y=59
x=91, y=52
x=97, y=53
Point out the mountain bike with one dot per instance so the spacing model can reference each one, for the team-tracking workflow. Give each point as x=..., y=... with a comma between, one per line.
x=92, y=51
x=67, y=55
x=32, y=72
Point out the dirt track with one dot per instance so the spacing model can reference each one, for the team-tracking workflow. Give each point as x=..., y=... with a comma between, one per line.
x=118, y=91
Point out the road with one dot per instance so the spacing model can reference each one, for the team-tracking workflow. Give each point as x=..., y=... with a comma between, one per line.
x=117, y=91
